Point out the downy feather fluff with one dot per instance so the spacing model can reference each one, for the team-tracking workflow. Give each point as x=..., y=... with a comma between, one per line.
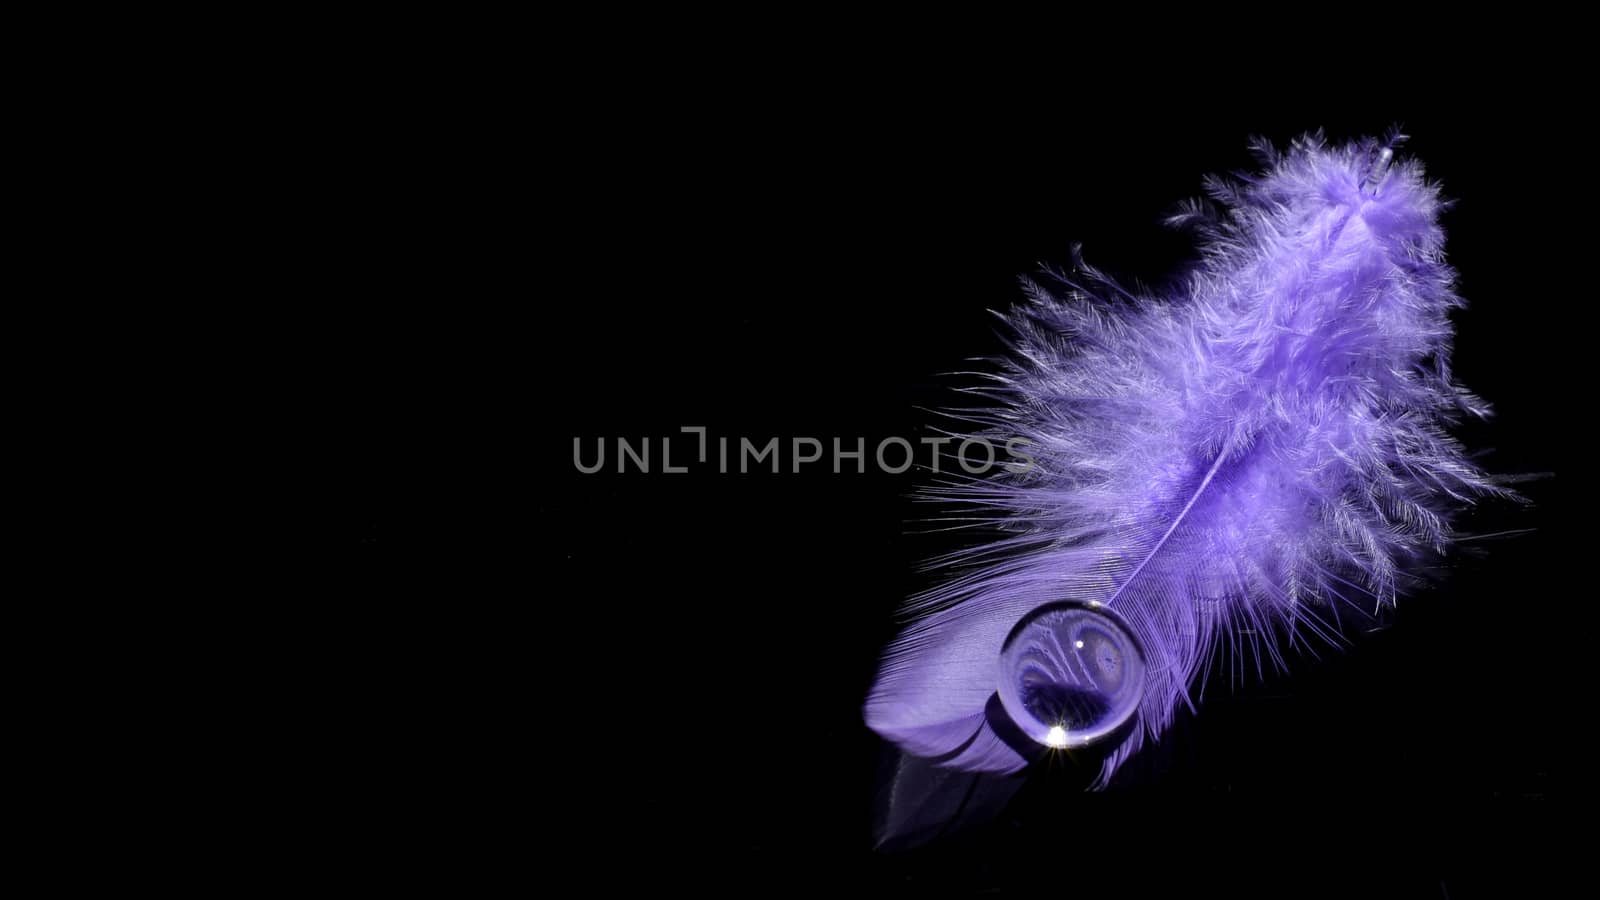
x=1230, y=468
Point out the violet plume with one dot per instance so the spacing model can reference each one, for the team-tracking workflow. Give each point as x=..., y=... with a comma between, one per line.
x=1234, y=470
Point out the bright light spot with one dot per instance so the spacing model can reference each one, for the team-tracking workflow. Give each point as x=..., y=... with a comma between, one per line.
x=1057, y=737
x=1078, y=644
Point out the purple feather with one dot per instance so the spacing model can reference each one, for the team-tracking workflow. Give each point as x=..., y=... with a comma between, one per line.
x=1227, y=469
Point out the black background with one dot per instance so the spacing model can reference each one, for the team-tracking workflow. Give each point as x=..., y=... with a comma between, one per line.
x=678, y=662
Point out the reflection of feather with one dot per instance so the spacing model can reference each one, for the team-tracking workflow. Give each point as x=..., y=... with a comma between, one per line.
x=1231, y=470
x=921, y=801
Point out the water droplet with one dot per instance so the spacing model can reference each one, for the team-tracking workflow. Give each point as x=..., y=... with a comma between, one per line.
x=1071, y=674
